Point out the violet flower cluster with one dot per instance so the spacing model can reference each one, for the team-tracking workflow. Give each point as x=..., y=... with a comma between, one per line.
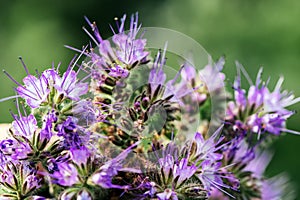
x=123, y=130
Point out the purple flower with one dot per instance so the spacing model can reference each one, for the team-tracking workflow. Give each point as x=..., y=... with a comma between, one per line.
x=182, y=171
x=259, y=109
x=35, y=90
x=278, y=100
x=114, y=61
x=46, y=132
x=103, y=177
x=205, y=81
x=8, y=179
x=31, y=182
x=21, y=177
x=80, y=156
x=208, y=162
x=157, y=76
x=73, y=134
x=168, y=194
x=66, y=174
x=25, y=126
x=171, y=178
x=207, y=149
x=249, y=165
x=86, y=113
x=84, y=195
x=239, y=152
x=214, y=177
x=168, y=89
x=15, y=150
x=68, y=85
x=118, y=71
x=129, y=49
x=258, y=164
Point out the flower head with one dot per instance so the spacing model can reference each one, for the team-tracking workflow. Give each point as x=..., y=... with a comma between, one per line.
x=35, y=89
x=19, y=177
x=66, y=174
x=15, y=150
x=129, y=49
x=25, y=126
x=73, y=134
x=80, y=155
x=103, y=177
x=204, y=82
x=39, y=90
x=260, y=110
x=172, y=178
x=68, y=85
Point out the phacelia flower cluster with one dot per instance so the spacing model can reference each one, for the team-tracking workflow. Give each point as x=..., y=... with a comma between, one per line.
x=126, y=129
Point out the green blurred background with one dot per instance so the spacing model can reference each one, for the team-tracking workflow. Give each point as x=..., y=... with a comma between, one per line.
x=254, y=32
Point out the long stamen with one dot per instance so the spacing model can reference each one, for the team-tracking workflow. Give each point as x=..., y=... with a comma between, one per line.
x=11, y=78
x=19, y=122
x=80, y=55
x=25, y=94
x=69, y=70
x=121, y=29
x=9, y=98
x=40, y=78
x=77, y=50
x=290, y=131
x=91, y=36
x=112, y=29
x=31, y=78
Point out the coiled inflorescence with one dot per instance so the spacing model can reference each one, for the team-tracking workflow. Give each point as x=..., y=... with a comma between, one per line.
x=126, y=129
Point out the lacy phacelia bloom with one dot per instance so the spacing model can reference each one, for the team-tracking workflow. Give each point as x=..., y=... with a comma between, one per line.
x=260, y=110
x=86, y=113
x=207, y=157
x=28, y=140
x=73, y=134
x=248, y=166
x=212, y=175
x=19, y=177
x=202, y=149
x=104, y=176
x=113, y=62
x=66, y=147
x=129, y=49
x=172, y=178
x=15, y=150
x=35, y=90
x=160, y=87
x=204, y=82
x=25, y=126
x=66, y=174
x=67, y=85
x=39, y=90
x=80, y=155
